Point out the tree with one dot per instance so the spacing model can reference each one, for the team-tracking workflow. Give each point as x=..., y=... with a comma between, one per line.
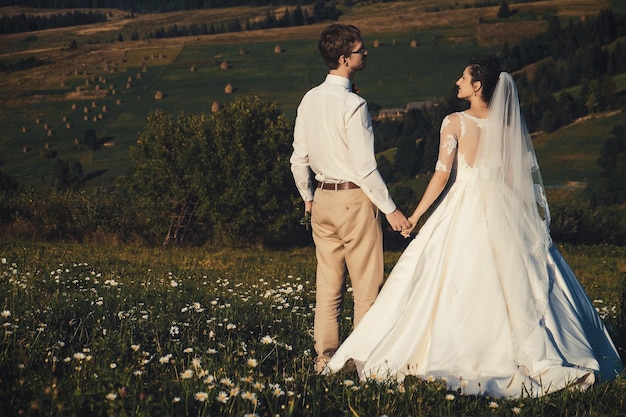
x=504, y=11
x=68, y=175
x=611, y=187
x=407, y=158
x=223, y=177
x=169, y=159
x=257, y=200
x=8, y=184
x=90, y=139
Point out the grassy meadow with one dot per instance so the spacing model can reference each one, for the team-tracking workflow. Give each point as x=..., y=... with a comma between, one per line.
x=106, y=330
x=102, y=329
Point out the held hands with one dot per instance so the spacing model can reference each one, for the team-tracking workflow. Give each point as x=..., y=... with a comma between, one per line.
x=398, y=221
x=407, y=231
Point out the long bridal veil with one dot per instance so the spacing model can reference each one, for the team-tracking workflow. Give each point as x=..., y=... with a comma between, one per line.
x=516, y=209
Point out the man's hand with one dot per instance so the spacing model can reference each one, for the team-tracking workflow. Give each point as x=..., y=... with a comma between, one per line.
x=306, y=219
x=398, y=221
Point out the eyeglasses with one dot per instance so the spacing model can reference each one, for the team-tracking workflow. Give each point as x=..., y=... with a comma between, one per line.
x=361, y=51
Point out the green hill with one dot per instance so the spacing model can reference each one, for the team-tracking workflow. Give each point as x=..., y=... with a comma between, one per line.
x=110, y=85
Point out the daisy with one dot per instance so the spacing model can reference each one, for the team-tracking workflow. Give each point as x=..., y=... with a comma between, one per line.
x=201, y=396
x=222, y=397
x=266, y=340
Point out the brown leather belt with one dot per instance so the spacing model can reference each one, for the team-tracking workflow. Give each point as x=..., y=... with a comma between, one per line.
x=337, y=186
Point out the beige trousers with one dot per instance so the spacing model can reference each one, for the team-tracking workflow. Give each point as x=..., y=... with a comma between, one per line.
x=347, y=233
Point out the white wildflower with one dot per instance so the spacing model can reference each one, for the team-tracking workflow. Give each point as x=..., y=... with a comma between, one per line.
x=201, y=396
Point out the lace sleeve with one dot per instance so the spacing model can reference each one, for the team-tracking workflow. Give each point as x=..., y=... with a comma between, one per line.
x=448, y=137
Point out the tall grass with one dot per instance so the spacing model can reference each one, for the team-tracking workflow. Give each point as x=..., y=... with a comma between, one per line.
x=128, y=330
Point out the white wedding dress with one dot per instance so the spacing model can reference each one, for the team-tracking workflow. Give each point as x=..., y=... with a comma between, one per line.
x=502, y=321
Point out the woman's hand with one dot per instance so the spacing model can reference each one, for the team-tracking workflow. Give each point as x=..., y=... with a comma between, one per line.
x=407, y=232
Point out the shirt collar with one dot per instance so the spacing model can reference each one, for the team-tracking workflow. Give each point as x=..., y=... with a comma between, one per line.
x=339, y=80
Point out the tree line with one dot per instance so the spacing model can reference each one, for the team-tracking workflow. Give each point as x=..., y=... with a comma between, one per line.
x=297, y=17
x=147, y=6
x=31, y=23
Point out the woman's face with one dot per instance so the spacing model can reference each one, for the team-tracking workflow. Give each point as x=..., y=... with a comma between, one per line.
x=466, y=87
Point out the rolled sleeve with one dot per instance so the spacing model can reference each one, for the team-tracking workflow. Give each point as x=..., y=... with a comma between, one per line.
x=300, y=167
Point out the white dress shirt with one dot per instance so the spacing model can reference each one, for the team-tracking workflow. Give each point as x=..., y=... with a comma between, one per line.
x=333, y=137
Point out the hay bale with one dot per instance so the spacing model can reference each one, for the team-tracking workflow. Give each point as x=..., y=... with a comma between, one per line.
x=158, y=95
x=192, y=69
x=224, y=65
x=413, y=43
x=228, y=89
x=376, y=43
x=278, y=49
x=215, y=107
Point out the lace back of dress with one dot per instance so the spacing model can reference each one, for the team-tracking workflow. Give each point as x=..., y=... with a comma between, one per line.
x=516, y=207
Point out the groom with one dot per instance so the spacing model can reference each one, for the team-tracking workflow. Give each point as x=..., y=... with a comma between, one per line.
x=333, y=138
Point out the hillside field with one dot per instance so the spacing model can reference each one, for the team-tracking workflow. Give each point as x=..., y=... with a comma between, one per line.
x=110, y=86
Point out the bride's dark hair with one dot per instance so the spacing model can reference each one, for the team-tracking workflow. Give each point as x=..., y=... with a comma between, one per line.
x=486, y=70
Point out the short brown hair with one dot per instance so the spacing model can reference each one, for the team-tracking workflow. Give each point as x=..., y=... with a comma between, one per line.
x=337, y=40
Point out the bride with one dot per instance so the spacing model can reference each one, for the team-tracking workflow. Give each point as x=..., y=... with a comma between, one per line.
x=481, y=299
